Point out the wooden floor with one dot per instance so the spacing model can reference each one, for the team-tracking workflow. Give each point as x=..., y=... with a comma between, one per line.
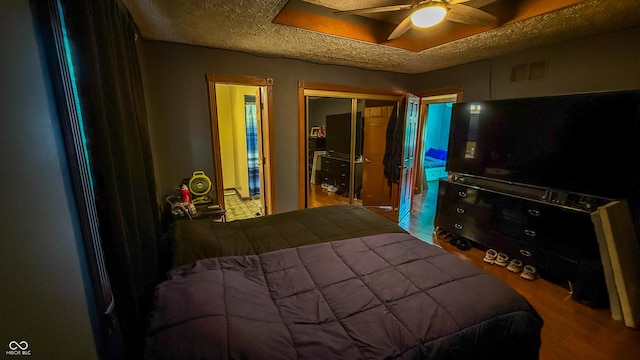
x=571, y=330
x=319, y=197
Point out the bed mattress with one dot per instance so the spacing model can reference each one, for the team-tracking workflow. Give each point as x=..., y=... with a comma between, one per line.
x=371, y=297
x=198, y=239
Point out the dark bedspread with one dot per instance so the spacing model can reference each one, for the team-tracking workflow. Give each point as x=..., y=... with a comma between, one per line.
x=375, y=297
x=199, y=239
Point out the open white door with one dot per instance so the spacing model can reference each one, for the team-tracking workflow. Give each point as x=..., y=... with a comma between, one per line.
x=407, y=177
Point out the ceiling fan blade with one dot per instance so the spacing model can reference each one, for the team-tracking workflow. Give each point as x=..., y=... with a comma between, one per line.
x=402, y=28
x=469, y=15
x=377, y=9
x=452, y=2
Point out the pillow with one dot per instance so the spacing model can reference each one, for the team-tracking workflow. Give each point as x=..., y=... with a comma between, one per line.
x=437, y=154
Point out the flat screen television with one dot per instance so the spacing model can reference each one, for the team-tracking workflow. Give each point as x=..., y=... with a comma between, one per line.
x=339, y=134
x=583, y=143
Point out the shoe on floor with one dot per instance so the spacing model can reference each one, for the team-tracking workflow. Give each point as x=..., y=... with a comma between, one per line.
x=490, y=256
x=447, y=237
x=502, y=259
x=463, y=244
x=515, y=266
x=529, y=272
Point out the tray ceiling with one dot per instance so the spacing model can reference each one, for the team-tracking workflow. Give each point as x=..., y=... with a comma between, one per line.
x=309, y=30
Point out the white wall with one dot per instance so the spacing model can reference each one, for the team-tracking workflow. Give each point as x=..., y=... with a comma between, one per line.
x=44, y=283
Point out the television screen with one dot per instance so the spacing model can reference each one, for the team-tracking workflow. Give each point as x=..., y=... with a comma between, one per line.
x=581, y=143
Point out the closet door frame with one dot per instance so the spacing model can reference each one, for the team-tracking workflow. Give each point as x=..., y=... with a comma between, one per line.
x=306, y=89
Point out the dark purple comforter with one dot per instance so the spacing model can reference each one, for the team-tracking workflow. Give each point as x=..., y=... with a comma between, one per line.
x=199, y=239
x=375, y=297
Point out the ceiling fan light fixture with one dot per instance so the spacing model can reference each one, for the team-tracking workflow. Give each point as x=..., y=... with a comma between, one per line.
x=429, y=15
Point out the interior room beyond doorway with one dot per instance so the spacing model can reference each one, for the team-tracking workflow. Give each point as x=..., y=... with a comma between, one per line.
x=238, y=129
x=345, y=147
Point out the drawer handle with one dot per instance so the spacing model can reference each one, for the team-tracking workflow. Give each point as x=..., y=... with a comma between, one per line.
x=458, y=226
x=534, y=212
x=530, y=233
x=343, y=164
x=460, y=210
x=526, y=253
x=462, y=194
x=343, y=175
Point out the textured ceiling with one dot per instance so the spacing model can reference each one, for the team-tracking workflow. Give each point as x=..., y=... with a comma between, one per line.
x=247, y=26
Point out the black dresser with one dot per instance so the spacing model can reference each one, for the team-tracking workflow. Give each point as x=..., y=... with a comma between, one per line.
x=336, y=171
x=549, y=230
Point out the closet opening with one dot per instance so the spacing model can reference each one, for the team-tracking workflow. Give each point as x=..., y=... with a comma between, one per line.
x=343, y=136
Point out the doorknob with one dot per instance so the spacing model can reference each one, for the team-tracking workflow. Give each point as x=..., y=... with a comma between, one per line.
x=367, y=160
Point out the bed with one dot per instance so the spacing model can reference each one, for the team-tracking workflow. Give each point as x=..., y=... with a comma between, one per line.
x=308, y=285
x=435, y=162
x=199, y=239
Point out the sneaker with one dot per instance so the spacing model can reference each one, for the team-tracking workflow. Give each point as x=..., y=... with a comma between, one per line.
x=490, y=256
x=332, y=188
x=515, y=266
x=325, y=186
x=529, y=273
x=502, y=259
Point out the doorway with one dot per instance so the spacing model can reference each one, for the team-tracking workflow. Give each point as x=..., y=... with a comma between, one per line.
x=343, y=134
x=330, y=179
x=240, y=123
x=435, y=120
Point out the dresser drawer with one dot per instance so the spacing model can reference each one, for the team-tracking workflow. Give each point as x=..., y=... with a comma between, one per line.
x=459, y=193
x=335, y=164
x=343, y=181
x=461, y=227
x=474, y=214
x=523, y=232
x=562, y=239
x=525, y=251
x=557, y=268
x=463, y=201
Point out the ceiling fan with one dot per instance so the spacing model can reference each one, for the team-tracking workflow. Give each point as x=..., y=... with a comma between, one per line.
x=429, y=13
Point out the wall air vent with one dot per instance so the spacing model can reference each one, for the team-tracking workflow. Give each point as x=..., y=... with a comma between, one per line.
x=537, y=70
x=532, y=71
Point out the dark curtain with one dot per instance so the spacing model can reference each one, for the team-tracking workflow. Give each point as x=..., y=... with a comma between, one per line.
x=253, y=156
x=102, y=39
